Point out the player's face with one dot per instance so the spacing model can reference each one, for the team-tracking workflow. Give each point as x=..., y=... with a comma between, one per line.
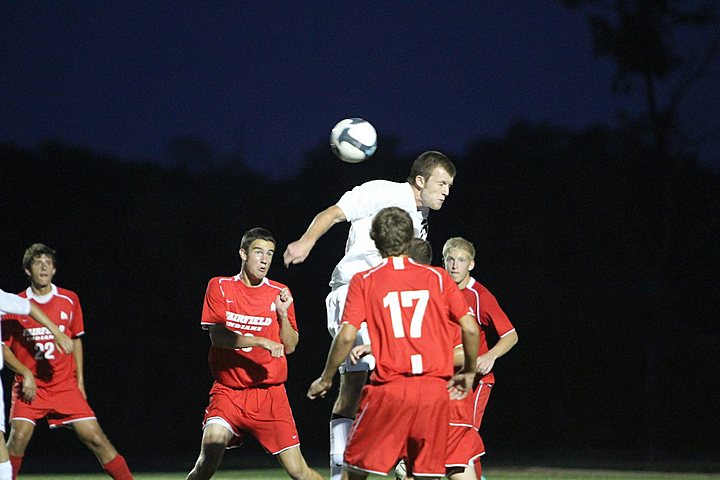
x=458, y=264
x=435, y=188
x=257, y=259
x=42, y=271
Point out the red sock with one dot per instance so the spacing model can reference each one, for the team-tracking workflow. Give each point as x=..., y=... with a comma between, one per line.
x=118, y=469
x=478, y=469
x=16, y=462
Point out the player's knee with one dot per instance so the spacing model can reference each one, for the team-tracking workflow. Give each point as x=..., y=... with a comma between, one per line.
x=97, y=441
x=18, y=441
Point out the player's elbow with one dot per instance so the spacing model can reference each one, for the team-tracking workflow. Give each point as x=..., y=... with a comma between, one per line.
x=512, y=338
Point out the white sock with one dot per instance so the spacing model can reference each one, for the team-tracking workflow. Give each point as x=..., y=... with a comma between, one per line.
x=339, y=433
x=5, y=471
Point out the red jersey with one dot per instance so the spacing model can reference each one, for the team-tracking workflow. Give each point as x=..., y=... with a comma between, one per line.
x=489, y=315
x=406, y=306
x=34, y=345
x=247, y=311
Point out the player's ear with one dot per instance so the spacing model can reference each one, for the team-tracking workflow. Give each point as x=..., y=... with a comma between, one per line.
x=420, y=181
x=472, y=264
x=243, y=254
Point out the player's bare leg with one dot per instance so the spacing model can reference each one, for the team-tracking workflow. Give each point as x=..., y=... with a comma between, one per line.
x=215, y=439
x=91, y=434
x=294, y=464
x=20, y=435
x=351, y=384
x=344, y=410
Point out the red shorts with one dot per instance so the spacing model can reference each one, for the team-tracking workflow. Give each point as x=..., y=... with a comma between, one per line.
x=480, y=398
x=62, y=405
x=263, y=412
x=464, y=443
x=401, y=419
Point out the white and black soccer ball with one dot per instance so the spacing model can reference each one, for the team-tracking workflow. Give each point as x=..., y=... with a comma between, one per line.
x=353, y=140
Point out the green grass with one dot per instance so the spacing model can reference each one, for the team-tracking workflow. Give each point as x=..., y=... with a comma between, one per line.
x=491, y=474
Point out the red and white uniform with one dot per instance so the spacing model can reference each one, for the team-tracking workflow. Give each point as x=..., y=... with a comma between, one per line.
x=58, y=397
x=490, y=318
x=404, y=411
x=34, y=345
x=248, y=395
x=248, y=311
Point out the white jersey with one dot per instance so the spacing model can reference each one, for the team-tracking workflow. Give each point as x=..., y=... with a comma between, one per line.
x=10, y=303
x=360, y=206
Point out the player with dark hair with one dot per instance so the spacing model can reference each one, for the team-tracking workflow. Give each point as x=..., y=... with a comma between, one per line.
x=60, y=395
x=251, y=322
x=420, y=250
x=459, y=260
x=408, y=308
x=427, y=186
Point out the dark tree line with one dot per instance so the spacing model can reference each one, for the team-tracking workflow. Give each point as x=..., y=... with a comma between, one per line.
x=615, y=355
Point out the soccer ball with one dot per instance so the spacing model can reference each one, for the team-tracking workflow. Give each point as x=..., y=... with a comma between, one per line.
x=353, y=140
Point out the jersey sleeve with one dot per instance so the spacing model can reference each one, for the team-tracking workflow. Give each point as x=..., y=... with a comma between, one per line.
x=77, y=326
x=369, y=198
x=214, y=305
x=10, y=303
x=493, y=315
x=354, y=311
x=291, y=314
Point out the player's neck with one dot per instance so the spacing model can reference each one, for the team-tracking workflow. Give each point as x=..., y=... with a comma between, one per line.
x=464, y=282
x=40, y=290
x=250, y=280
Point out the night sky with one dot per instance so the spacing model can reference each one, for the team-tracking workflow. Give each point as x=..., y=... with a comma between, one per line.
x=268, y=80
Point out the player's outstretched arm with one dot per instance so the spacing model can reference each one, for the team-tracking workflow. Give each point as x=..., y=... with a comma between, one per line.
x=29, y=388
x=62, y=341
x=339, y=350
x=298, y=251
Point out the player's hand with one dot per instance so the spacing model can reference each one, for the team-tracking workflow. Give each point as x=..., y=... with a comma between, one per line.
x=296, y=252
x=319, y=388
x=283, y=301
x=358, y=352
x=485, y=363
x=63, y=343
x=29, y=388
x=460, y=385
x=276, y=350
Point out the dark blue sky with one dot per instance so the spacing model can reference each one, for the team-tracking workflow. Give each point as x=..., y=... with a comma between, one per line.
x=270, y=79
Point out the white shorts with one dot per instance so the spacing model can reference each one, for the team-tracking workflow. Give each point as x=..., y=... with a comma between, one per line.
x=334, y=304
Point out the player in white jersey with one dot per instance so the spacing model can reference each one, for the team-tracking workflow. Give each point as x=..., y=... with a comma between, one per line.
x=14, y=304
x=426, y=188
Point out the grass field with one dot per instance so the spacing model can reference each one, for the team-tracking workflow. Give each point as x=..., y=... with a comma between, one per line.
x=494, y=474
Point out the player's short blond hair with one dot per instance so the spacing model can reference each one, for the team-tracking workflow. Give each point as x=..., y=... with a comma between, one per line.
x=460, y=244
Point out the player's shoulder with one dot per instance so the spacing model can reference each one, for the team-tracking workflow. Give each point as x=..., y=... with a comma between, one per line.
x=274, y=285
x=221, y=279
x=67, y=294
x=477, y=287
